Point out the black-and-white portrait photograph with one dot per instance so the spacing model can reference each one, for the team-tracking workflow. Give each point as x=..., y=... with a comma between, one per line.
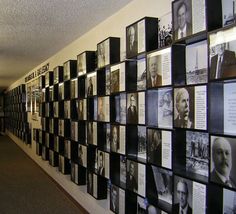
x=123, y=108
x=101, y=163
x=80, y=109
x=132, y=108
x=197, y=63
x=197, y=152
x=61, y=127
x=90, y=183
x=222, y=59
x=101, y=109
x=81, y=64
x=131, y=41
x=114, y=199
x=229, y=201
x=115, y=81
x=67, y=109
x=141, y=74
x=91, y=84
x=61, y=92
x=108, y=81
x=73, y=88
x=151, y=209
x=80, y=155
x=117, y=108
x=182, y=196
x=165, y=108
x=115, y=138
x=182, y=16
x=184, y=107
x=222, y=161
x=56, y=75
x=228, y=12
x=141, y=205
x=151, y=110
x=101, y=54
x=163, y=184
x=108, y=137
x=154, y=72
x=123, y=170
x=142, y=142
x=66, y=71
x=132, y=176
x=154, y=141
x=90, y=132
x=165, y=30
x=74, y=130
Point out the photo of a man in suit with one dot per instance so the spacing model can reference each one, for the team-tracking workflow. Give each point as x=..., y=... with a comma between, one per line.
x=132, y=44
x=182, y=207
x=154, y=76
x=114, y=202
x=115, y=139
x=131, y=178
x=132, y=116
x=183, y=28
x=222, y=159
x=101, y=115
x=182, y=104
x=101, y=169
x=154, y=146
x=222, y=62
x=90, y=87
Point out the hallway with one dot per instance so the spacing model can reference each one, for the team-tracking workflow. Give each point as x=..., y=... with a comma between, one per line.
x=25, y=188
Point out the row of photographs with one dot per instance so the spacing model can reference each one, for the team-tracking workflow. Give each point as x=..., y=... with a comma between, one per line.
x=182, y=107
x=156, y=185
x=157, y=71
x=190, y=151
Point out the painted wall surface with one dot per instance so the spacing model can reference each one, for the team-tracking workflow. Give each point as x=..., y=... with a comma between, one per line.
x=113, y=26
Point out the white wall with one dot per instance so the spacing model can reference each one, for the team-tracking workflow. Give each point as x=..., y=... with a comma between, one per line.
x=113, y=26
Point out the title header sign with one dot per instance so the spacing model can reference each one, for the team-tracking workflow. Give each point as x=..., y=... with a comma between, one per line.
x=37, y=73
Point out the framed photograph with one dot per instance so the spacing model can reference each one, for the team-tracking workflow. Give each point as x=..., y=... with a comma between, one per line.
x=197, y=144
x=229, y=201
x=189, y=17
x=165, y=108
x=103, y=52
x=132, y=108
x=222, y=161
x=141, y=74
x=91, y=84
x=165, y=30
x=197, y=63
x=222, y=54
x=159, y=68
x=81, y=64
x=115, y=80
x=228, y=12
x=184, y=107
x=131, y=41
x=66, y=71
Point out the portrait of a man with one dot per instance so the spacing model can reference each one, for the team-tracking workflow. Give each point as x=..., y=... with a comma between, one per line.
x=154, y=73
x=154, y=146
x=101, y=115
x=90, y=87
x=101, y=169
x=223, y=63
x=131, y=40
x=182, y=191
x=222, y=160
x=115, y=139
x=131, y=179
x=182, y=14
x=132, y=115
x=183, y=108
x=114, y=199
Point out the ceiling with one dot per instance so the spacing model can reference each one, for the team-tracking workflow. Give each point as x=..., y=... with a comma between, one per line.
x=33, y=30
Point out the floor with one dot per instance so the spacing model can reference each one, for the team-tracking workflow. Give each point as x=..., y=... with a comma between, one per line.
x=25, y=188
